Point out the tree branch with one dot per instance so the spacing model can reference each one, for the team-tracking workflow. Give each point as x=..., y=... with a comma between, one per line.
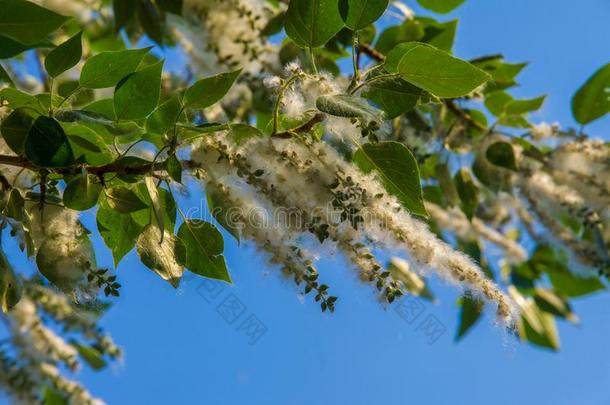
x=114, y=167
x=449, y=103
x=306, y=127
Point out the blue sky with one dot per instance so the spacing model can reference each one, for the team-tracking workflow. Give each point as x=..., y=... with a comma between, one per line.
x=180, y=350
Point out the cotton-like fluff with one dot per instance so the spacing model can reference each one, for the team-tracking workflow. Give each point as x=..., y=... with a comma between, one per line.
x=222, y=34
x=312, y=177
x=251, y=214
x=301, y=96
x=584, y=166
x=549, y=200
x=454, y=220
x=37, y=342
x=64, y=254
x=544, y=130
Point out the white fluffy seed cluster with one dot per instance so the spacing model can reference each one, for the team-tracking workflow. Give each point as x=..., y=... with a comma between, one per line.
x=350, y=209
x=37, y=342
x=57, y=238
x=225, y=34
x=453, y=219
x=548, y=200
x=300, y=97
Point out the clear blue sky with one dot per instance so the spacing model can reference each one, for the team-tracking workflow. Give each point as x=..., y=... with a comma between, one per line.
x=179, y=349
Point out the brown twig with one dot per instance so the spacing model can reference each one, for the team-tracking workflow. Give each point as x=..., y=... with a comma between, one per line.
x=463, y=115
x=114, y=167
x=371, y=52
x=306, y=127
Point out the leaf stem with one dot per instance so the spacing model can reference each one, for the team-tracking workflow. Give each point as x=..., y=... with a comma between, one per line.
x=373, y=79
x=312, y=61
x=278, y=102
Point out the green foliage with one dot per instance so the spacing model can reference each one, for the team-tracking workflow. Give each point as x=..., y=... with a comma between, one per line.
x=413, y=119
x=108, y=68
x=471, y=311
x=137, y=95
x=591, y=101
x=502, y=154
x=124, y=200
x=397, y=169
x=47, y=145
x=210, y=90
x=65, y=56
x=204, y=246
x=434, y=70
x=312, y=23
x=342, y=105
x=15, y=128
x=10, y=285
x=26, y=22
x=357, y=14
x=440, y=6
x=82, y=192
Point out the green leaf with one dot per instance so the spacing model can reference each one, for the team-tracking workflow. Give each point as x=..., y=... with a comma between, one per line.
x=516, y=107
x=137, y=96
x=397, y=169
x=65, y=56
x=119, y=231
x=574, y=286
x=82, y=193
x=174, y=168
x=538, y=327
x=394, y=95
x=10, y=285
x=161, y=253
x=155, y=200
x=52, y=397
x=440, y=6
x=468, y=192
x=471, y=311
x=446, y=183
x=497, y=101
x=171, y=6
x=124, y=200
x=500, y=103
x=343, y=105
x=88, y=146
x=15, y=206
x=210, y=90
x=123, y=11
x=592, y=100
x=440, y=35
x=357, y=14
x=242, y=132
x=15, y=128
x=204, y=247
x=10, y=48
x=108, y=68
x=217, y=205
x=502, y=154
x=91, y=355
x=18, y=99
x=47, y=144
x=27, y=22
x=434, y=70
x=165, y=116
x=150, y=20
x=5, y=77
x=549, y=301
x=312, y=23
